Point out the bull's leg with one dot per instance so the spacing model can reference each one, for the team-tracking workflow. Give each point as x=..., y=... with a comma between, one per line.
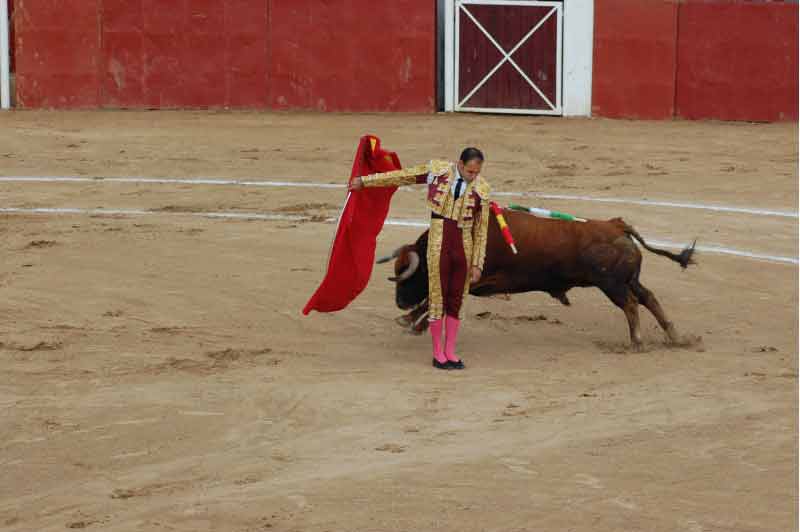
x=623, y=297
x=631, y=309
x=421, y=323
x=648, y=299
x=416, y=320
x=405, y=320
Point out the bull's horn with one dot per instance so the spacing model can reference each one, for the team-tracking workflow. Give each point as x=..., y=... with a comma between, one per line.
x=413, y=257
x=387, y=258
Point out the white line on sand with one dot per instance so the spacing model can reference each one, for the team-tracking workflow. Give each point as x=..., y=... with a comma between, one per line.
x=391, y=221
x=305, y=184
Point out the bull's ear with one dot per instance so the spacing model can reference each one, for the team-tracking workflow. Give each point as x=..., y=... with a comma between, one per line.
x=392, y=279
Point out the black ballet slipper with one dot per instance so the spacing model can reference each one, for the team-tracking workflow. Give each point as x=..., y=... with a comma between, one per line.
x=441, y=365
x=456, y=365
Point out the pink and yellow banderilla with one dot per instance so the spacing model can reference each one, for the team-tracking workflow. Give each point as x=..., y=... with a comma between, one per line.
x=501, y=221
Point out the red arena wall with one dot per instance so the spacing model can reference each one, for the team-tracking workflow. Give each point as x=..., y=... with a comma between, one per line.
x=372, y=56
x=697, y=59
x=737, y=61
x=653, y=59
x=633, y=73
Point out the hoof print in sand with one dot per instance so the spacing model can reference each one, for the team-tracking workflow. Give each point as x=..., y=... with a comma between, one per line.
x=391, y=448
x=41, y=244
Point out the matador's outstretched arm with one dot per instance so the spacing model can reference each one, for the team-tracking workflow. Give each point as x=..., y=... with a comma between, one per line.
x=414, y=175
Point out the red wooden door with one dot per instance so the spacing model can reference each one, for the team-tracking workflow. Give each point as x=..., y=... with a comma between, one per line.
x=508, y=56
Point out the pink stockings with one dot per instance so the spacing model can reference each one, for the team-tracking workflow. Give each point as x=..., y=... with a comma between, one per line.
x=451, y=335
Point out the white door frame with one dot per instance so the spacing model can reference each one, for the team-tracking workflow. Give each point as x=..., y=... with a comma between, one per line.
x=5, y=57
x=449, y=54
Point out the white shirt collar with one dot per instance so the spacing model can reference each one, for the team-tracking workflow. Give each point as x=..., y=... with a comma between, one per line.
x=457, y=176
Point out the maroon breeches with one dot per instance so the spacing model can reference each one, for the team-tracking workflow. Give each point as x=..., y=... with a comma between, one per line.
x=452, y=268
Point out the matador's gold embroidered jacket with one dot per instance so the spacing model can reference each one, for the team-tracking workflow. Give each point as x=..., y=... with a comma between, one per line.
x=470, y=210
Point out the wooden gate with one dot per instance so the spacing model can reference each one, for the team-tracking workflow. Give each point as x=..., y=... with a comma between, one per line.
x=508, y=56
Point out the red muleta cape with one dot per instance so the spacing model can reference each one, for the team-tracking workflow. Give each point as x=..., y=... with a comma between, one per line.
x=353, y=251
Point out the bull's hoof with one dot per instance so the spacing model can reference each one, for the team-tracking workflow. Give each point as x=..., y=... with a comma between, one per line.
x=562, y=297
x=420, y=327
x=415, y=331
x=404, y=321
x=673, y=338
x=638, y=347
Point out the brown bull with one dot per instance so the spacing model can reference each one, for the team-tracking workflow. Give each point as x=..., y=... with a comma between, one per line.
x=554, y=256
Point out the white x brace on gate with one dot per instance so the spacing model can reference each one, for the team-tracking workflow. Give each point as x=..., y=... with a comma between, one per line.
x=529, y=82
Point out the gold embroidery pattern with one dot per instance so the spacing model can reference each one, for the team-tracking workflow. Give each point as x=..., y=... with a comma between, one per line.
x=440, y=197
x=462, y=209
x=469, y=210
x=481, y=230
x=462, y=212
x=482, y=188
x=446, y=209
x=473, y=234
x=438, y=168
x=466, y=237
x=396, y=178
x=441, y=202
x=435, y=297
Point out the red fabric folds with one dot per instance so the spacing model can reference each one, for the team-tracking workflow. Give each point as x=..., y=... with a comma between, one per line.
x=353, y=250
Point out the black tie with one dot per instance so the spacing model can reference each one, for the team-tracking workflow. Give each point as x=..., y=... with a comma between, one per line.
x=458, y=187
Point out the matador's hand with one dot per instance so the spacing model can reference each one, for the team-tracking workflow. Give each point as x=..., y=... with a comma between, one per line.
x=356, y=184
x=476, y=274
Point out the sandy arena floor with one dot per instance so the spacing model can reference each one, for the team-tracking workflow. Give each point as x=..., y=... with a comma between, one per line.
x=158, y=375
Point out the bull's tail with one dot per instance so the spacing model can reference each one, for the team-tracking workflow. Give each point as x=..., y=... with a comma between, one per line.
x=684, y=258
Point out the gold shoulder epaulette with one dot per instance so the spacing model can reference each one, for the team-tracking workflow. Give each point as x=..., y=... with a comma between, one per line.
x=482, y=188
x=440, y=167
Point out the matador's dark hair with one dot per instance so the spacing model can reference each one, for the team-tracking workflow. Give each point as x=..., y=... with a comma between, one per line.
x=471, y=153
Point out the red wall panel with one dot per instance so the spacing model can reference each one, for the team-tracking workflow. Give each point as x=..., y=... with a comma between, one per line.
x=58, y=50
x=634, y=58
x=247, y=44
x=215, y=53
x=737, y=61
x=367, y=56
x=697, y=59
x=123, y=75
x=122, y=53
